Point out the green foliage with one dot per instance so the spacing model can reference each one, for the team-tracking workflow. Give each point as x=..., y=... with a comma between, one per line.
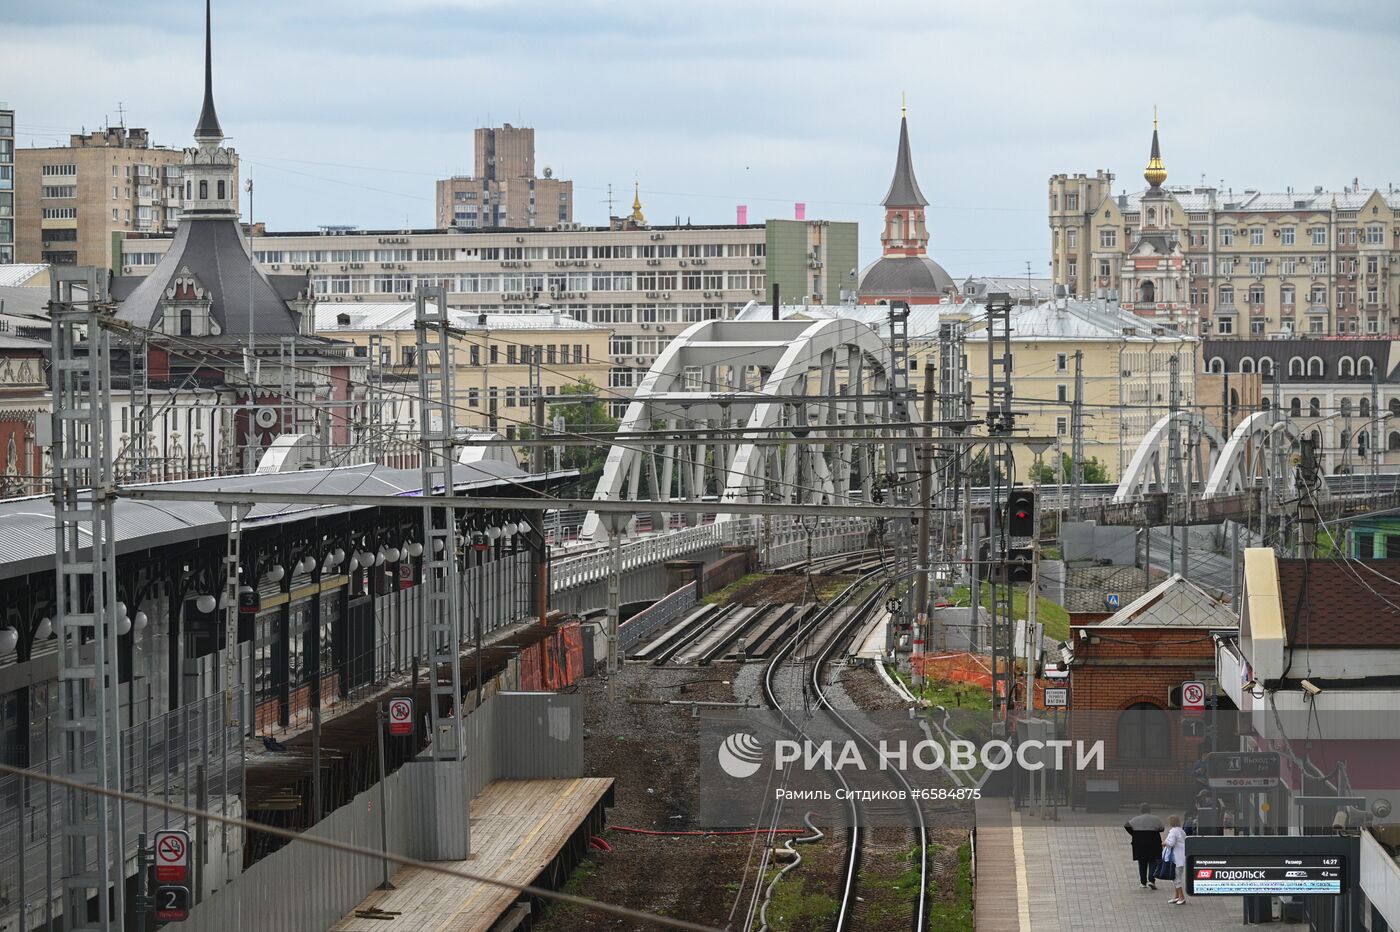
x=1050, y=614
x=1095, y=473
x=953, y=913
x=581, y=418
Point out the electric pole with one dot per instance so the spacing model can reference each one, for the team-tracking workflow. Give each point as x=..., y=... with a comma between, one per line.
x=1076, y=433
x=921, y=568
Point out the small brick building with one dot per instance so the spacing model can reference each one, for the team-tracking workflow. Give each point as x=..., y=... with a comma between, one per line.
x=1123, y=673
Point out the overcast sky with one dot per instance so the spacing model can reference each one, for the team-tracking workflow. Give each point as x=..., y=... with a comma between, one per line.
x=344, y=111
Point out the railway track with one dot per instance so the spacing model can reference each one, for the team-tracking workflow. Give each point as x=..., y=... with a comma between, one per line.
x=797, y=671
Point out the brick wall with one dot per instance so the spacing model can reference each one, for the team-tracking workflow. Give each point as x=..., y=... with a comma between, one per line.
x=1126, y=667
x=737, y=564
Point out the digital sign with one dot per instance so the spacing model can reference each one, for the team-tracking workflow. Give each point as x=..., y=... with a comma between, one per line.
x=1277, y=875
x=1234, y=770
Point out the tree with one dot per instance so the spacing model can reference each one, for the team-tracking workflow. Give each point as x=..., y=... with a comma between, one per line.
x=1094, y=472
x=583, y=417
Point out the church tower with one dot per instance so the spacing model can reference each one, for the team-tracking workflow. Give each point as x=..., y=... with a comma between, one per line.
x=905, y=233
x=211, y=184
x=905, y=272
x=1155, y=276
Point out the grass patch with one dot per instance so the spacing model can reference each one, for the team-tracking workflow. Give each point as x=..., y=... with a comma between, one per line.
x=792, y=909
x=723, y=596
x=951, y=909
x=577, y=884
x=832, y=586
x=891, y=899
x=1052, y=616
x=945, y=693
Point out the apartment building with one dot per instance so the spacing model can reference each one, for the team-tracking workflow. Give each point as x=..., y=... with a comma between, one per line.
x=7, y=184
x=72, y=202
x=644, y=284
x=503, y=190
x=1235, y=263
x=500, y=362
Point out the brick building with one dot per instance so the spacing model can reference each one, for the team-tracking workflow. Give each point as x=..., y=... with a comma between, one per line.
x=1122, y=675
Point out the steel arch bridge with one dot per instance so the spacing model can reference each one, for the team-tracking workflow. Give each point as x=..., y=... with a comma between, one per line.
x=1149, y=462
x=1262, y=434
x=751, y=377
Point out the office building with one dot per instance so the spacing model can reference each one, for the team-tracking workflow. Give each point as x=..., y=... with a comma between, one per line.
x=503, y=190
x=813, y=261
x=1236, y=264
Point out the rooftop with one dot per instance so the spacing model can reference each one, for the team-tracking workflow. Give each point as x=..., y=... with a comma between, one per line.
x=1175, y=602
x=399, y=316
x=23, y=273
x=1200, y=199
x=1341, y=602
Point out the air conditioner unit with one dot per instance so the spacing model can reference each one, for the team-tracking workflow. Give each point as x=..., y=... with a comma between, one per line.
x=683, y=263
x=639, y=361
x=653, y=294
x=276, y=266
x=339, y=297
x=665, y=294
x=755, y=262
x=597, y=265
x=520, y=239
x=646, y=326
x=660, y=329
x=359, y=297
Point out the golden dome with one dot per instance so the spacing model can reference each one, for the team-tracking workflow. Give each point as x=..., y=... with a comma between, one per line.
x=1156, y=172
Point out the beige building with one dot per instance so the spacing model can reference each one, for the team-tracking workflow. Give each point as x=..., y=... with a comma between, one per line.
x=1252, y=264
x=1126, y=368
x=501, y=362
x=504, y=190
x=72, y=201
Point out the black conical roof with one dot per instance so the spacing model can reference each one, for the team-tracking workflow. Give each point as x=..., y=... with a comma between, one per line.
x=208, y=127
x=904, y=189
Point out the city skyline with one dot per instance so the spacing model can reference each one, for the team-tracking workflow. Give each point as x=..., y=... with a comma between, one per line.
x=792, y=104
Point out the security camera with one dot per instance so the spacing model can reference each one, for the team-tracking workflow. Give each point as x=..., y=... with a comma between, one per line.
x=1312, y=688
x=1380, y=808
x=1249, y=687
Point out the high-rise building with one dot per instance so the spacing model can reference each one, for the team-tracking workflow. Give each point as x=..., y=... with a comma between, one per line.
x=1236, y=264
x=504, y=190
x=70, y=201
x=7, y=184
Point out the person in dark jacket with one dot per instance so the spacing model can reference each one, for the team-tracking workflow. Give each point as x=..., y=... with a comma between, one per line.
x=1146, y=830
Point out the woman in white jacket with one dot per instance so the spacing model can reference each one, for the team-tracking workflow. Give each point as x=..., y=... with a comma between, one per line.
x=1174, y=851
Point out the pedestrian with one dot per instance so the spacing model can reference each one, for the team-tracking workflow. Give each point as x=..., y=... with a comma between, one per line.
x=1146, y=830
x=1174, y=860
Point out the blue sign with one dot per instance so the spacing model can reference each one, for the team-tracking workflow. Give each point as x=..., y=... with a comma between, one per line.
x=1113, y=600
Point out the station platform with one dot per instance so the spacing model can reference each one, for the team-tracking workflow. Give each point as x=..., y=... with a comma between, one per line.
x=522, y=831
x=869, y=642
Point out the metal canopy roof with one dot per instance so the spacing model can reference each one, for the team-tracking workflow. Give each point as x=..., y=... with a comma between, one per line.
x=27, y=525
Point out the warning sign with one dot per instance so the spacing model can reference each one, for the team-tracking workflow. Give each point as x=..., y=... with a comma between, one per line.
x=1193, y=697
x=400, y=716
x=172, y=856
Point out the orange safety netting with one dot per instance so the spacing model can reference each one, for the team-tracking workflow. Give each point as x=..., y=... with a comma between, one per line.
x=555, y=662
x=973, y=669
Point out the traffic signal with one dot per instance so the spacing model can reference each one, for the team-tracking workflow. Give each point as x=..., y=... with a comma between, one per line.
x=1018, y=565
x=1020, y=513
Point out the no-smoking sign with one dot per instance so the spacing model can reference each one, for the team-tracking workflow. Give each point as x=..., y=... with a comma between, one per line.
x=1193, y=696
x=172, y=856
x=400, y=716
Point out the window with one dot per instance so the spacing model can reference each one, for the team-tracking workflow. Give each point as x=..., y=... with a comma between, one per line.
x=1256, y=236
x=1318, y=296
x=1315, y=367
x=1072, y=268
x=1061, y=361
x=1314, y=408
x=1319, y=236
x=1346, y=367
x=1227, y=266
x=1257, y=325
x=1372, y=264
x=1224, y=325
x=1227, y=295
x=1256, y=294
x=1144, y=732
x=1295, y=407
x=186, y=322
x=1061, y=393
x=1227, y=236
x=1258, y=266
x=69, y=169
x=1364, y=366
x=1247, y=364
x=204, y=190
x=1289, y=236
x=1290, y=295
x=1108, y=238
x=1216, y=366
x=1072, y=238
x=1346, y=236
x=1290, y=267
x=1071, y=202
x=1266, y=367
x=1062, y=426
x=59, y=191
x=1375, y=235
x=1392, y=442
x=1346, y=409
x=221, y=190
x=1105, y=269
x=1319, y=265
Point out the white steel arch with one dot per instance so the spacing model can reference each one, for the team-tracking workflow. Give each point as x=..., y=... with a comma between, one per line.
x=752, y=374
x=1148, y=465
x=1254, y=435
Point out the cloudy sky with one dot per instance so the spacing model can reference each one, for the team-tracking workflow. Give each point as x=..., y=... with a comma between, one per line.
x=344, y=111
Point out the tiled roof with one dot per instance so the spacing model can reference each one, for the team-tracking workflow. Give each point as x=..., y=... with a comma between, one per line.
x=1087, y=587
x=1245, y=201
x=1341, y=603
x=1175, y=602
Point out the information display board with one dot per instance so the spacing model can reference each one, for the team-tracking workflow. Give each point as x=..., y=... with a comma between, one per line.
x=1275, y=875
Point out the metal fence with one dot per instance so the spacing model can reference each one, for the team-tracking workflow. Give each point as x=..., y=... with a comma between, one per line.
x=663, y=610
x=301, y=887
x=186, y=757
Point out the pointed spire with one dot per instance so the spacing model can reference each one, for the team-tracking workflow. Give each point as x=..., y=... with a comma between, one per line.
x=208, y=127
x=637, y=216
x=1156, y=172
x=904, y=189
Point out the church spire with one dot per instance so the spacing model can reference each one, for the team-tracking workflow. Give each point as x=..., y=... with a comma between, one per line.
x=208, y=127
x=1156, y=172
x=637, y=217
x=904, y=189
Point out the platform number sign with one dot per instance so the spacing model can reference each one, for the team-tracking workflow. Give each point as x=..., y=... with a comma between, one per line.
x=172, y=856
x=172, y=904
x=400, y=716
x=892, y=606
x=1193, y=697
